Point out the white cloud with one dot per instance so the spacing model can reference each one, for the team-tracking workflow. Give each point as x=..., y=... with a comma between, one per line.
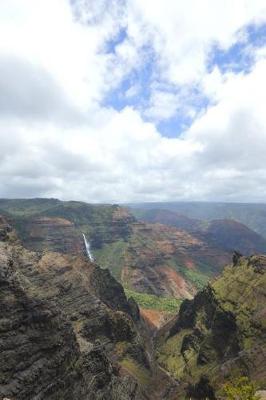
x=163, y=105
x=182, y=33
x=57, y=139
x=133, y=91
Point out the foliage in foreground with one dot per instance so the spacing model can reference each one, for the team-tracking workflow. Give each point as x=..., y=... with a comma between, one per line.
x=241, y=389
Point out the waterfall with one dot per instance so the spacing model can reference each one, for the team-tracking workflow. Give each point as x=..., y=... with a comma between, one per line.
x=88, y=250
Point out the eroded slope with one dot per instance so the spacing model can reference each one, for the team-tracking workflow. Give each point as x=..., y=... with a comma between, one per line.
x=221, y=333
x=62, y=322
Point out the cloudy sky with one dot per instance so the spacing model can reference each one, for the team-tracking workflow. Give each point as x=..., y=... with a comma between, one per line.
x=133, y=100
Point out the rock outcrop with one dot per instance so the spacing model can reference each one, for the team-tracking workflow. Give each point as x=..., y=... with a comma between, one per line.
x=221, y=333
x=58, y=339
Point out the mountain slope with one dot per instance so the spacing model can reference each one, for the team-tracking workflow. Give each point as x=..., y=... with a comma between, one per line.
x=231, y=235
x=225, y=234
x=66, y=329
x=250, y=214
x=168, y=217
x=221, y=333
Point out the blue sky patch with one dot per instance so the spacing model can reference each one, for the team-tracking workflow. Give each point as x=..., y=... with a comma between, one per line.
x=139, y=78
x=182, y=120
x=136, y=88
x=110, y=45
x=240, y=56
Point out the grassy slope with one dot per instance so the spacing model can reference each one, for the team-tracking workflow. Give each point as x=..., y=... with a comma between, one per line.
x=112, y=256
x=150, y=301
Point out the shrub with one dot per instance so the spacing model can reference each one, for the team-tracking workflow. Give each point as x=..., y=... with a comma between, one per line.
x=240, y=389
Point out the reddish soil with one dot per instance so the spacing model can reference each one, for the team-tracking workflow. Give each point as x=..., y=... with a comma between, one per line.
x=154, y=318
x=179, y=286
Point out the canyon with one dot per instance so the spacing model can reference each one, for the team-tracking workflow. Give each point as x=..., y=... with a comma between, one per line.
x=153, y=315
x=147, y=255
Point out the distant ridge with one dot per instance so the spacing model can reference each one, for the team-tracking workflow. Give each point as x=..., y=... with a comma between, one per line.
x=252, y=215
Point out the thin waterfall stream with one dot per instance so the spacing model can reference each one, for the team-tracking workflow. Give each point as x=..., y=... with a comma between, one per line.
x=88, y=248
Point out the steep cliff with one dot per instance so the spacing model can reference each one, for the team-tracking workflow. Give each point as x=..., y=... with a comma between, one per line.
x=61, y=335
x=168, y=262
x=221, y=333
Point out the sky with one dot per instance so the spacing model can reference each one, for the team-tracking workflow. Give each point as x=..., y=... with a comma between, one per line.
x=133, y=100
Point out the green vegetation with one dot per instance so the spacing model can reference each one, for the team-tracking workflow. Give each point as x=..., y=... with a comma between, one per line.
x=241, y=389
x=169, y=357
x=150, y=301
x=95, y=220
x=141, y=374
x=227, y=317
x=111, y=256
x=198, y=278
x=243, y=298
x=26, y=207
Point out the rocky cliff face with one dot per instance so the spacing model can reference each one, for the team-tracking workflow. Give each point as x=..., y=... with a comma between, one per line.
x=59, y=227
x=50, y=234
x=61, y=335
x=168, y=262
x=67, y=330
x=221, y=333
